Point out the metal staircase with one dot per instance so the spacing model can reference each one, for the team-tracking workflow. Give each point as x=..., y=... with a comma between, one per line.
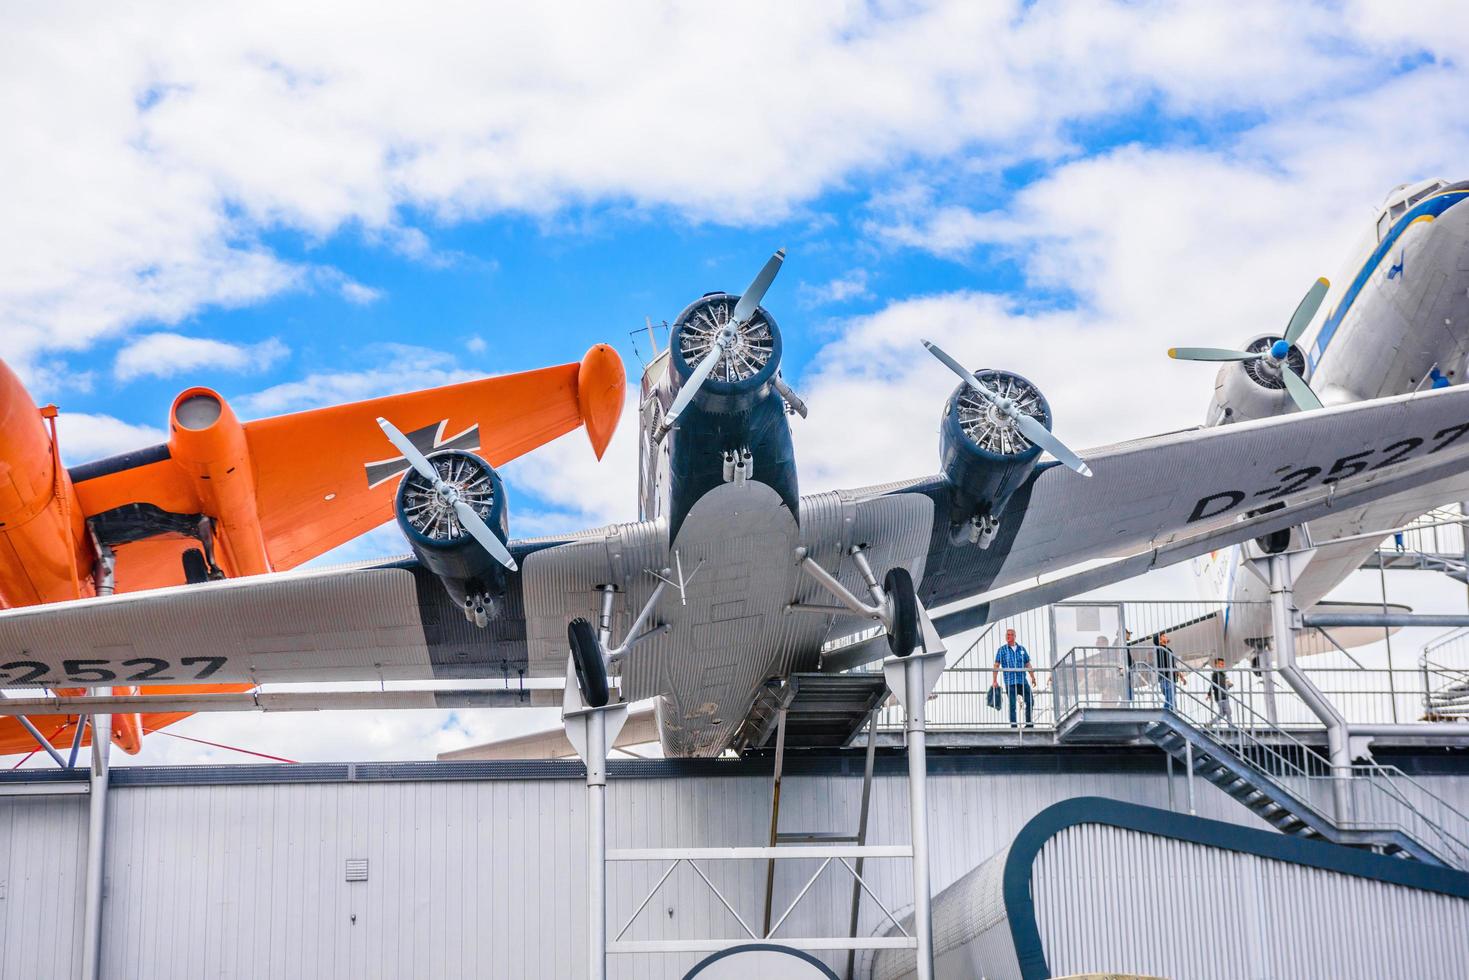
x=1288, y=783
x=1266, y=795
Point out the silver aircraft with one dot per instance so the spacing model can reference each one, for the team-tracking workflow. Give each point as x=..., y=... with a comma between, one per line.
x=731, y=577
x=1397, y=321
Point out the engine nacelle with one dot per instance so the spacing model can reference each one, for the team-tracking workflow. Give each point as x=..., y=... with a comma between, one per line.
x=985, y=458
x=207, y=442
x=744, y=374
x=1246, y=390
x=472, y=577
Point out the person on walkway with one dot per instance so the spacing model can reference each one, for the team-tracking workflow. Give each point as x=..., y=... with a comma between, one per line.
x=1014, y=659
x=1168, y=673
x=1219, y=685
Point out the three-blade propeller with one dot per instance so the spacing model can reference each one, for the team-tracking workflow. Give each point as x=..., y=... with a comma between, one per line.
x=471, y=521
x=1028, y=426
x=1277, y=354
x=744, y=309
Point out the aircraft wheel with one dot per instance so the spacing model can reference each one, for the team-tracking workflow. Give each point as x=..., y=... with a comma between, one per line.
x=586, y=658
x=1275, y=542
x=903, y=637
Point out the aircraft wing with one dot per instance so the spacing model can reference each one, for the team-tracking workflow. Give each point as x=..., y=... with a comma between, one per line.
x=324, y=476
x=1153, y=501
x=1210, y=486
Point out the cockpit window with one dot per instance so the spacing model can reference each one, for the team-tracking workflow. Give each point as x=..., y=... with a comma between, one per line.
x=1424, y=193
x=1383, y=223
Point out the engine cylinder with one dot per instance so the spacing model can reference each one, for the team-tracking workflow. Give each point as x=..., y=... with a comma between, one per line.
x=742, y=375
x=435, y=533
x=985, y=458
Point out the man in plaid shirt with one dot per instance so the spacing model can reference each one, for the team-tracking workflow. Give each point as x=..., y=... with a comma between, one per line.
x=1014, y=659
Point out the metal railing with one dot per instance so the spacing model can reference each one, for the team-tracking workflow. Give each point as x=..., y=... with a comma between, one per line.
x=1438, y=534
x=1374, y=797
x=1434, y=690
x=1385, y=795
x=1114, y=677
x=1427, y=693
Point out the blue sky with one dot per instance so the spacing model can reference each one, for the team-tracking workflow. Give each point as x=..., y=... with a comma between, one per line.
x=303, y=206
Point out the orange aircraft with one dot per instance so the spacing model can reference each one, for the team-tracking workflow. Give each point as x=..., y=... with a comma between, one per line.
x=224, y=498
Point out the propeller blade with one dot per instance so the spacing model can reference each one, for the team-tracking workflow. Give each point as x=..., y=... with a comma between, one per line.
x=1306, y=312
x=751, y=297
x=1046, y=439
x=1301, y=392
x=696, y=380
x=410, y=452
x=961, y=371
x=481, y=532
x=1211, y=354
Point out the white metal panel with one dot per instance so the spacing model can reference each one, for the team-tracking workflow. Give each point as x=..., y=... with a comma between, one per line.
x=43, y=843
x=476, y=877
x=1113, y=900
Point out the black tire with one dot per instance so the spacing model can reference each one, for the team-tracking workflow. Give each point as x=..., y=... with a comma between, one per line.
x=1274, y=543
x=196, y=569
x=586, y=657
x=903, y=637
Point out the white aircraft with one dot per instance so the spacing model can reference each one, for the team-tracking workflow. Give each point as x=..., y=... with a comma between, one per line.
x=1397, y=322
x=730, y=578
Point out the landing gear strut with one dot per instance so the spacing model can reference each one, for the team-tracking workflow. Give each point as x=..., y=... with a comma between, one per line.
x=894, y=603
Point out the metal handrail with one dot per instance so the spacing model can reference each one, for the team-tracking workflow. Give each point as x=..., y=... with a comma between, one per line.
x=1389, y=779
x=1394, y=811
x=1382, y=779
x=1280, y=765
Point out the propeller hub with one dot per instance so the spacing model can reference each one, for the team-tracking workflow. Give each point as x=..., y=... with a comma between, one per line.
x=1279, y=350
x=430, y=507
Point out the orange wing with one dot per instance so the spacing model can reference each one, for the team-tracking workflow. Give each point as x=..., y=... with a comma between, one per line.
x=324, y=477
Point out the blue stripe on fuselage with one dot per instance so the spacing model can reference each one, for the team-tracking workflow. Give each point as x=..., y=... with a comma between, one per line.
x=1431, y=207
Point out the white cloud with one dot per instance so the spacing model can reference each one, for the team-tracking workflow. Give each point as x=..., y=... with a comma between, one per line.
x=84, y=437
x=164, y=355
x=396, y=368
x=151, y=153
x=576, y=489
x=851, y=286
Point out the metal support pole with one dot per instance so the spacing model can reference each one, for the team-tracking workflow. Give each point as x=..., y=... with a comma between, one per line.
x=1188, y=763
x=862, y=837
x=1269, y=663
x=918, y=814
x=1387, y=638
x=591, y=731
x=780, y=754
x=911, y=679
x=41, y=741
x=1172, y=805
x=96, y=843
x=1282, y=599
x=597, y=845
x=76, y=741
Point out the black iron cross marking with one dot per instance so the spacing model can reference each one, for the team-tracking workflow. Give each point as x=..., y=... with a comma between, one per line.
x=429, y=439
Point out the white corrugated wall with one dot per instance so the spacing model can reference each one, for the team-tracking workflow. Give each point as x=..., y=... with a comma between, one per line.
x=468, y=877
x=1111, y=900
